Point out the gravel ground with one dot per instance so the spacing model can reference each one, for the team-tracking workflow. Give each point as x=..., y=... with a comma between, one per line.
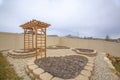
x=101, y=70
x=64, y=67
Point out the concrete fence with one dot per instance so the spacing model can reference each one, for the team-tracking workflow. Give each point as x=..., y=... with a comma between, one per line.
x=16, y=41
x=99, y=45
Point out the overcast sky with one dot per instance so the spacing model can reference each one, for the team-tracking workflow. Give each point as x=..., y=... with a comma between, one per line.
x=95, y=18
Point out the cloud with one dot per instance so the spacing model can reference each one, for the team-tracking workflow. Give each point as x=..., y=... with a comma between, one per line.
x=88, y=18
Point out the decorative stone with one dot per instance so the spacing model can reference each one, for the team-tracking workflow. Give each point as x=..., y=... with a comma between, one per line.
x=86, y=73
x=30, y=63
x=37, y=79
x=27, y=71
x=90, y=64
x=91, y=61
x=31, y=76
x=69, y=79
x=37, y=72
x=32, y=67
x=81, y=77
x=57, y=78
x=45, y=76
x=88, y=68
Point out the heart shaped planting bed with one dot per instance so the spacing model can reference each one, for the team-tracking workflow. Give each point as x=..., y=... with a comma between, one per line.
x=64, y=67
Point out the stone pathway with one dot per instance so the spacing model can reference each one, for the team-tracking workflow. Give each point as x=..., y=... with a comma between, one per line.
x=18, y=65
x=101, y=69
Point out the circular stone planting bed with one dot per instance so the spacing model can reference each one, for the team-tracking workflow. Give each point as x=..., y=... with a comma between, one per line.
x=22, y=50
x=58, y=47
x=19, y=53
x=63, y=67
x=88, y=52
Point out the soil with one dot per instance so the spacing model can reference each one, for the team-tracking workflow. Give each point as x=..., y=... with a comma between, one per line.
x=85, y=50
x=64, y=67
x=58, y=47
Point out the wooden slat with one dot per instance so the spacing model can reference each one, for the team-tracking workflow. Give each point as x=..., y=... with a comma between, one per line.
x=45, y=43
x=24, y=39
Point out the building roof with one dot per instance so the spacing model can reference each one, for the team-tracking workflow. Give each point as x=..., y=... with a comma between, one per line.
x=33, y=24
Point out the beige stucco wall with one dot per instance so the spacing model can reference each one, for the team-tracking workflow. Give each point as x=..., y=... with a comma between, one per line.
x=99, y=45
x=10, y=41
x=15, y=41
x=52, y=41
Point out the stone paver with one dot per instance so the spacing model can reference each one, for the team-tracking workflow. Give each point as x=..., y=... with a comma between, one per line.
x=90, y=64
x=91, y=61
x=32, y=76
x=37, y=72
x=89, y=68
x=32, y=67
x=27, y=71
x=46, y=76
x=86, y=73
x=30, y=63
x=69, y=79
x=101, y=69
x=81, y=77
x=57, y=78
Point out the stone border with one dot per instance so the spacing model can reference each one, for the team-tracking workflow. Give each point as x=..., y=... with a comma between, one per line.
x=85, y=53
x=4, y=50
x=13, y=54
x=37, y=73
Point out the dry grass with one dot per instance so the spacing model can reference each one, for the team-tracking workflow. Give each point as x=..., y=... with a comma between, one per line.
x=6, y=70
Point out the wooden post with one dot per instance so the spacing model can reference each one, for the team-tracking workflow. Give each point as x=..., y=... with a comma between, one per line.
x=36, y=44
x=28, y=41
x=24, y=39
x=41, y=42
x=45, y=43
x=32, y=40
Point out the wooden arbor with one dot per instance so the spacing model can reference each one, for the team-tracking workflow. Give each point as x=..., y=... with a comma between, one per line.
x=39, y=29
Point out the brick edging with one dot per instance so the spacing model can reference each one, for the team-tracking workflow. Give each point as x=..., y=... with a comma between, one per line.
x=37, y=73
